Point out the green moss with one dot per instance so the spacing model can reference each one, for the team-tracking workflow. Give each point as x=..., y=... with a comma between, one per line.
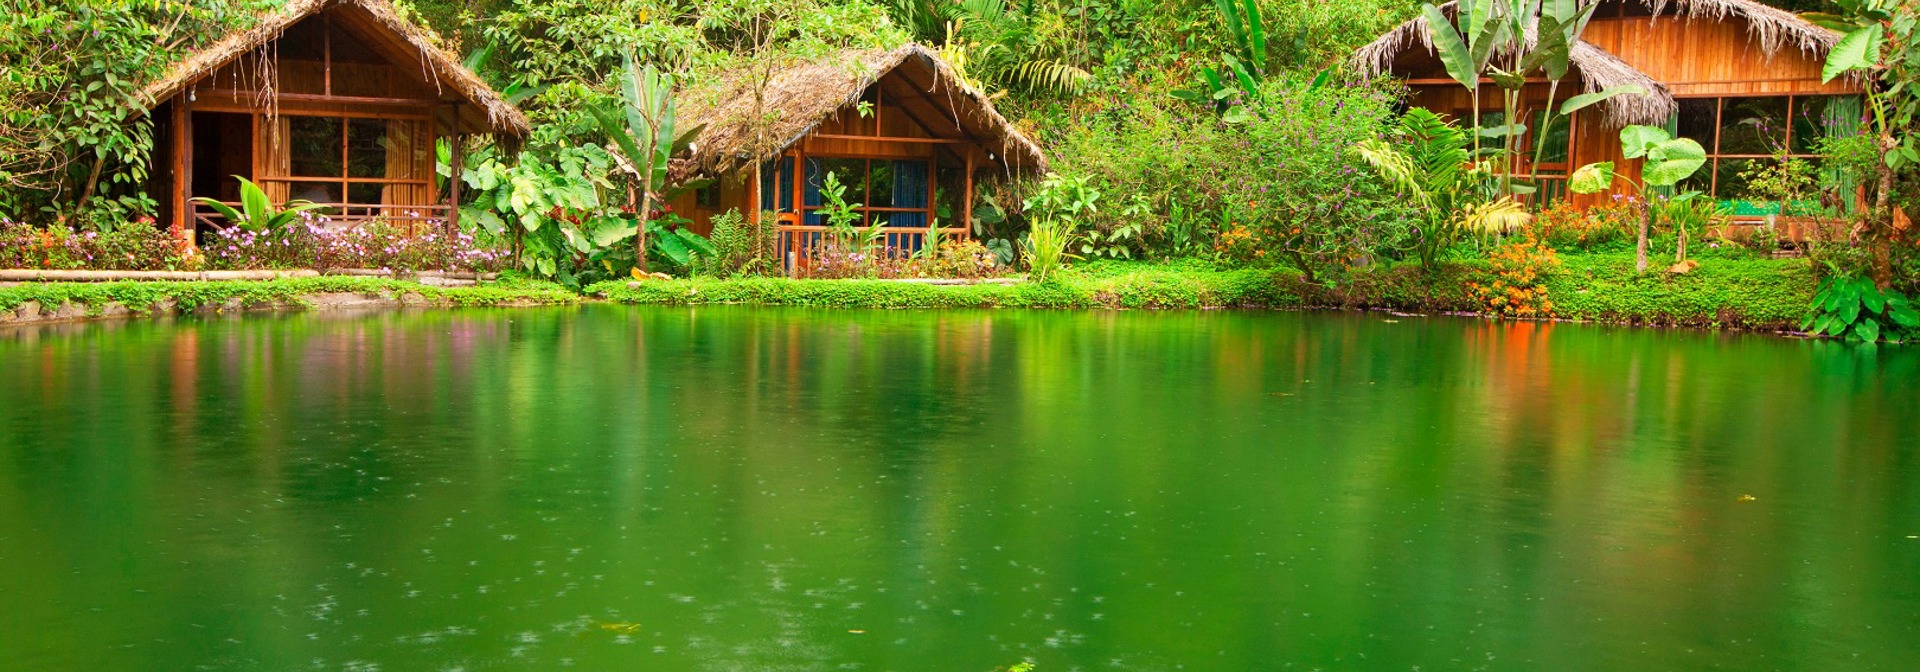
x=140, y=297
x=1746, y=293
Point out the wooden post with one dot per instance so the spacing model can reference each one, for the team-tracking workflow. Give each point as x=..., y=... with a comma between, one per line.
x=753, y=197
x=326, y=55
x=182, y=161
x=454, y=166
x=933, y=193
x=966, y=199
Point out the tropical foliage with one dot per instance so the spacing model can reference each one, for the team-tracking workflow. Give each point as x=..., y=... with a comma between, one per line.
x=1665, y=161
x=1856, y=309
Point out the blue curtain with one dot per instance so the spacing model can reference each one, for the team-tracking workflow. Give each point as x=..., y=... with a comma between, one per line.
x=815, y=173
x=909, y=191
x=773, y=182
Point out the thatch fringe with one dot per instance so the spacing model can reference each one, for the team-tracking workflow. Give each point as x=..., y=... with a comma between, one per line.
x=437, y=65
x=1772, y=27
x=800, y=96
x=1598, y=69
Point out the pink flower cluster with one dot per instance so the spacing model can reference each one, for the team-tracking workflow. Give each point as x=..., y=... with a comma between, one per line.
x=315, y=242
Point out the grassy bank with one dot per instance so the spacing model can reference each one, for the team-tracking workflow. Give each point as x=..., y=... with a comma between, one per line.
x=1741, y=293
x=141, y=297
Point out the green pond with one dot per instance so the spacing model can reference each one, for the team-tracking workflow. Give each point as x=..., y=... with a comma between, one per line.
x=729, y=488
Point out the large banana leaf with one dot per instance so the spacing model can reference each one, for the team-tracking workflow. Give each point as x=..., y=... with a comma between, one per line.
x=1585, y=100
x=1672, y=161
x=1860, y=49
x=1453, y=51
x=1592, y=178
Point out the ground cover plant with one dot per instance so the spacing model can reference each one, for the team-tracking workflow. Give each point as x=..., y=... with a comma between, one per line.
x=142, y=296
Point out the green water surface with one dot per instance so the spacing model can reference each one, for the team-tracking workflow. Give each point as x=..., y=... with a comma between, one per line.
x=729, y=488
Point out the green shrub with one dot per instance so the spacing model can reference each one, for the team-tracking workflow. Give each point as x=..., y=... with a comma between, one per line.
x=1284, y=177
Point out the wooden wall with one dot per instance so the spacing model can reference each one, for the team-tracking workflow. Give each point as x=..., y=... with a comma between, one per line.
x=1700, y=57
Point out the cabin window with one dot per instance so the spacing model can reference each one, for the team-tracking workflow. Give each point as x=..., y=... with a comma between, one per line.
x=891, y=191
x=1740, y=133
x=364, y=166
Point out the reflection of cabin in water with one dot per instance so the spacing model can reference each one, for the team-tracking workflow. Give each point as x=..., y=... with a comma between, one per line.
x=338, y=102
x=1740, y=77
x=900, y=129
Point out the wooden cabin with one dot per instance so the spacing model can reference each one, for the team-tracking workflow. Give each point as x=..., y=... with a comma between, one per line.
x=1739, y=77
x=906, y=135
x=338, y=102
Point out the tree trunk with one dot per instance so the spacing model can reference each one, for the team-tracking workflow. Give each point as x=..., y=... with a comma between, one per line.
x=1640, y=245
x=1880, y=228
x=642, y=207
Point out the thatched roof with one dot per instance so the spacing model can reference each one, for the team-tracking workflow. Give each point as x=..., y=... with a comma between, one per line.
x=1597, y=69
x=798, y=98
x=492, y=112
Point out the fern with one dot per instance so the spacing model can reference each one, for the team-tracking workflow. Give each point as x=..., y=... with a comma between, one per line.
x=1050, y=75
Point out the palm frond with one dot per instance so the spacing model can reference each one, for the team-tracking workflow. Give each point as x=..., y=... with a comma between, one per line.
x=1050, y=75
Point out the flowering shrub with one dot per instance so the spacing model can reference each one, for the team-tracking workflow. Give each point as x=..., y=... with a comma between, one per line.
x=834, y=259
x=959, y=258
x=311, y=243
x=26, y=246
x=138, y=246
x=1518, y=284
x=1602, y=228
x=383, y=246
x=141, y=246
x=956, y=258
x=237, y=249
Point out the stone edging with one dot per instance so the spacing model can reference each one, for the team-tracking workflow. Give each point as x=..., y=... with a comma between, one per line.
x=32, y=313
x=430, y=278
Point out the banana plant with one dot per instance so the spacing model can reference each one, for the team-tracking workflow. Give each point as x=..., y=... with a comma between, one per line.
x=1244, y=67
x=1666, y=161
x=641, y=125
x=256, y=213
x=1465, y=44
x=1560, y=26
x=1507, y=41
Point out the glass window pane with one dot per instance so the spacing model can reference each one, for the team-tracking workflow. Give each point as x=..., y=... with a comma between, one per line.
x=1556, y=137
x=1733, y=187
x=367, y=148
x=1753, y=125
x=318, y=192
x=1697, y=120
x=852, y=174
x=1701, y=180
x=947, y=206
x=313, y=146
x=1815, y=117
x=880, y=175
x=367, y=193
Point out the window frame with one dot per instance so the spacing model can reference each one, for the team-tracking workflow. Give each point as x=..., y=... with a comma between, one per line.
x=1715, y=156
x=345, y=179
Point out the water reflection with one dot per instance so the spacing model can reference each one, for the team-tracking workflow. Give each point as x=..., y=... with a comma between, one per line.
x=731, y=488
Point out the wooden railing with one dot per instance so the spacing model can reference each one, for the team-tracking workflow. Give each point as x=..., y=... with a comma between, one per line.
x=413, y=218
x=800, y=245
x=1548, y=190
